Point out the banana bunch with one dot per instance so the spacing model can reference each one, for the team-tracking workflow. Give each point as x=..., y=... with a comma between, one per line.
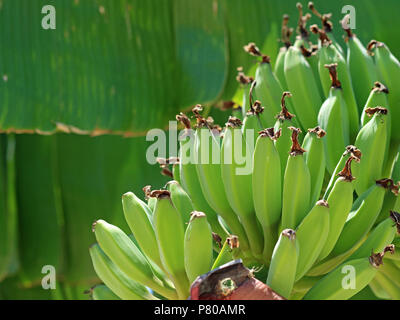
x=303, y=184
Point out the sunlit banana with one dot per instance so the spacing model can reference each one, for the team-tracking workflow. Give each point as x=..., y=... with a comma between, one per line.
x=340, y=201
x=312, y=57
x=364, y=212
x=329, y=55
x=285, y=119
x=361, y=66
x=170, y=238
x=266, y=186
x=388, y=284
x=181, y=201
x=389, y=72
x=282, y=270
x=333, y=118
x=115, y=279
x=311, y=236
x=198, y=246
x=127, y=257
x=296, y=185
x=102, y=292
x=315, y=160
x=236, y=174
x=139, y=218
x=371, y=140
x=347, y=279
x=189, y=179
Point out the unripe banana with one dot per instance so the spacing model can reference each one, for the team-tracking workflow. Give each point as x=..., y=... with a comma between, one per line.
x=236, y=174
x=284, y=120
x=296, y=185
x=127, y=257
x=139, y=218
x=170, y=238
x=333, y=285
x=382, y=236
x=330, y=55
x=302, y=85
x=266, y=186
x=333, y=118
x=311, y=236
x=198, y=246
x=115, y=279
x=208, y=167
x=389, y=71
x=102, y=292
x=189, y=179
x=361, y=66
x=228, y=251
x=364, y=212
x=387, y=283
x=312, y=57
x=315, y=160
x=279, y=68
x=181, y=201
x=340, y=200
x=282, y=269
x=371, y=140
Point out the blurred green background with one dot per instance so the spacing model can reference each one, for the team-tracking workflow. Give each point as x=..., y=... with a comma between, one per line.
x=76, y=103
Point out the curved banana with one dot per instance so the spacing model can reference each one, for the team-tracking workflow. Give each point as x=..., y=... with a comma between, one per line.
x=127, y=257
x=170, y=235
x=102, y=292
x=282, y=270
x=266, y=186
x=236, y=174
x=198, y=246
x=312, y=57
x=333, y=118
x=139, y=218
x=315, y=160
x=361, y=66
x=329, y=55
x=189, y=179
x=371, y=140
x=181, y=201
x=347, y=279
x=115, y=279
x=279, y=68
x=389, y=71
x=311, y=236
x=340, y=201
x=362, y=217
x=296, y=185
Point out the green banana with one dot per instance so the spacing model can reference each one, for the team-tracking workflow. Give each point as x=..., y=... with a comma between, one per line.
x=388, y=284
x=389, y=72
x=362, y=217
x=282, y=270
x=267, y=88
x=296, y=185
x=334, y=287
x=340, y=201
x=377, y=97
x=333, y=118
x=227, y=253
x=198, y=246
x=170, y=235
x=361, y=66
x=371, y=140
x=329, y=55
x=115, y=279
x=236, y=174
x=279, y=68
x=181, y=201
x=175, y=172
x=312, y=57
x=285, y=119
x=266, y=186
x=189, y=179
x=303, y=87
x=311, y=236
x=102, y=292
x=382, y=236
x=127, y=257
x=315, y=160
x=139, y=218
